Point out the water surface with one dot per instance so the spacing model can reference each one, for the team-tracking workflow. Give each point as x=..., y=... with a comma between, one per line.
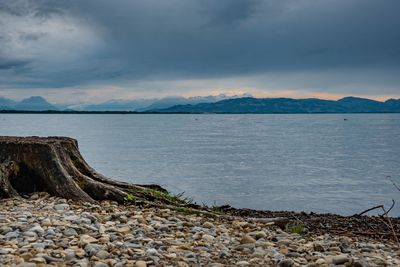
x=319, y=163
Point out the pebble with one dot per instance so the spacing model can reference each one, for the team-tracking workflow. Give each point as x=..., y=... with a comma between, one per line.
x=340, y=259
x=286, y=263
x=61, y=207
x=247, y=240
x=53, y=231
x=140, y=264
x=70, y=232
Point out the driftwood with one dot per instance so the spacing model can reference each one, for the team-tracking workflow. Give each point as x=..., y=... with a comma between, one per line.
x=55, y=165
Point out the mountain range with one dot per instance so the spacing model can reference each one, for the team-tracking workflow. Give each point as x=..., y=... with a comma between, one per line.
x=34, y=103
x=142, y=105
x=38, y=103
x=289, y=105
x=215, y=104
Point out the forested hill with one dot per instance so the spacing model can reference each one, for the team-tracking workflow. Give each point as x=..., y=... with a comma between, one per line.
x=289, y=105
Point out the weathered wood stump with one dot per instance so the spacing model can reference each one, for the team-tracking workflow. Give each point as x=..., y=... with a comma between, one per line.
x=55, y=165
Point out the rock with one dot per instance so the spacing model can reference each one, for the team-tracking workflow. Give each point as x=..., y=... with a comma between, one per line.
x=26, y=256
x=27, y=264
x=293, y=255
x=340, y=259
x=242, y=263
x=345, y=248
x=91, y=250
x=182, y=264
x=208, y=238
x=61, y=207
x=124, y=230
x=5, y=229
x=247, y=240
x=286, y=263
x=11, y=235
x=208, y=225
x=152, y=251
x=100, y=264
x=87, y=239
x=46, y=222
x=140, y=264
x=224, y=254
x=70, y=232
x=38, y=260
x=102, y=254
x=37, y=229
x=318, y=247
x=260, y=234
x=51, y=259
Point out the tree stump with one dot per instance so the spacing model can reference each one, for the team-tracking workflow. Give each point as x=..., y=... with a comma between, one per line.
x=55, y=165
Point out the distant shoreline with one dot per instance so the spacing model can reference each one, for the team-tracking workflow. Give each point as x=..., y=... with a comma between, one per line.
x=154, y=112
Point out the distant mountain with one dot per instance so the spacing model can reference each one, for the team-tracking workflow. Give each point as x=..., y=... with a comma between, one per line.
x=6, y=103
x=151, y=104
x=35, y=103
x=216, y=104
x=117, y=105
x=178, y=100
x=288, y=105
x=393, y=103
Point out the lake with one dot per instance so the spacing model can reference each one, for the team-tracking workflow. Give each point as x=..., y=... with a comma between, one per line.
x=320, y=162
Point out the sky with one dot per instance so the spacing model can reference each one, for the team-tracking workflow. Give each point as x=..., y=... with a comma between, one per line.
x=95, y=50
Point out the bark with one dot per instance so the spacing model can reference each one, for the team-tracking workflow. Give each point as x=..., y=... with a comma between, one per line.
x=55, y=165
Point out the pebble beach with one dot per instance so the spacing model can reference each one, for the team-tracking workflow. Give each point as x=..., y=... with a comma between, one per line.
x=49, y=231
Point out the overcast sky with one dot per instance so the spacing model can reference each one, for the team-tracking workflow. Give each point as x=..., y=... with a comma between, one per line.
x=88, y=51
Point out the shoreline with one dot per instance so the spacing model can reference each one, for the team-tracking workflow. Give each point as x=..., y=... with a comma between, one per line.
x=320, y=223
x=49, y=230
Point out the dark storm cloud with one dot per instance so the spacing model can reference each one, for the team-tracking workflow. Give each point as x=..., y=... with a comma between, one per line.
x=180, y=39
x=7, y=65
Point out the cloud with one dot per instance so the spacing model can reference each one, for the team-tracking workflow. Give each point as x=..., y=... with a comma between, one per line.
x=57, y=44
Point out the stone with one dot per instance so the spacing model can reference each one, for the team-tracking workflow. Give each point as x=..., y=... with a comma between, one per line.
x=27, y=264
x=51, y=259
x=260, y=234
x=61, y=207
x=5, y=229
x=224, y=254
x=208, y=225
x=318, y=247
x=247, y=240
x=340, y=259
x=140, y=264
x=152, y=251
x=37, y=229
x=87, y=239
x=38, y=260
x=286, y=263
x=124, y=230
x=11, y=235
x=208, y=238
x=102, y=254
x=91, y=249
x=70, y=232
x=100, y=264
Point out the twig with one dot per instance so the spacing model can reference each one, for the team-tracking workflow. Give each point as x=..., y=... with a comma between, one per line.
x=386, y=215
x=391, y=225
x=394, y=184
x=391, y=207
x=373, y=208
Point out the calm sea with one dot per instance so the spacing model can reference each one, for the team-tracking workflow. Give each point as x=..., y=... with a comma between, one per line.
x=320, y=163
